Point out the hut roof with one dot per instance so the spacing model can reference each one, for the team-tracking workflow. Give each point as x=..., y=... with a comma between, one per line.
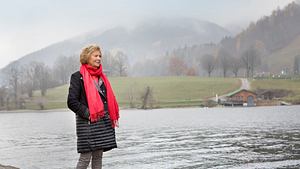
x=238, y=91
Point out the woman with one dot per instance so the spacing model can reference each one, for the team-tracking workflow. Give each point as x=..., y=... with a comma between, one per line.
x=92, y=99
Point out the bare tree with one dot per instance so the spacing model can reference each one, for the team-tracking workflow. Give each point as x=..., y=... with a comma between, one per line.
x=63, y=68
x=120, y=63
x=208, y=62
x=29, y=79
x=42, y=77
x=177, y=66
x=14, y=76
x=224, y=60
x=3, y=96
x=60, y=69
x=250, y=59
x=236, y=64
x=107, y=62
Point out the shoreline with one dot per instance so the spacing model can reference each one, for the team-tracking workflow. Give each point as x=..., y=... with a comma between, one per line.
x=125, y=108
x=32, y=111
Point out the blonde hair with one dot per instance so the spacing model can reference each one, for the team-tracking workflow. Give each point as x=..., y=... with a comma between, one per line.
x=87, y=51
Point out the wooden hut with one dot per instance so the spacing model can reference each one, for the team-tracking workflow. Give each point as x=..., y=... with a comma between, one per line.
x=241, y=97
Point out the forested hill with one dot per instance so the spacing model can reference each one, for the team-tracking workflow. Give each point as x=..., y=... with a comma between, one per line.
x=273, y=32
x=272, y=43
x=270, y=36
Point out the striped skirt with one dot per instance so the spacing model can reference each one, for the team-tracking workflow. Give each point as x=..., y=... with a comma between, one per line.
x=95, y=136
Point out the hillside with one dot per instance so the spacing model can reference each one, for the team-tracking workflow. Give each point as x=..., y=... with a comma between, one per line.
x=275, y=37
x=283, y=58
x=167, y=91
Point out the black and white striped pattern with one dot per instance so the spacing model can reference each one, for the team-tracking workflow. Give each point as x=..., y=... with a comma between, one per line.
x=95, y=136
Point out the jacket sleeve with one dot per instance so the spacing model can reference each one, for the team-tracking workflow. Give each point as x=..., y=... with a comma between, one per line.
x=74, y=99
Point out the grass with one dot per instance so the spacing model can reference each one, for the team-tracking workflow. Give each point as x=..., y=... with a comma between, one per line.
x=167, y=91
x=287, y=84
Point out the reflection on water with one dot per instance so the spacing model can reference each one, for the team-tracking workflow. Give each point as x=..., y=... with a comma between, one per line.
x=210, y=147
x=262, y=137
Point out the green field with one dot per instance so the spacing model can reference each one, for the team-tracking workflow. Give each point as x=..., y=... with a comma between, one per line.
x=167, y=91
x=287, y=84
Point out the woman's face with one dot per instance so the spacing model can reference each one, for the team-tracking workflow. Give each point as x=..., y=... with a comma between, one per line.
x=95, y=59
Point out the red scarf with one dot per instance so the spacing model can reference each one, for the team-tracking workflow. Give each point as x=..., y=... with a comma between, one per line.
x=95, y=104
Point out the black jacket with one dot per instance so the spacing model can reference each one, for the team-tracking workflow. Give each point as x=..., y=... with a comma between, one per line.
x=77, y=99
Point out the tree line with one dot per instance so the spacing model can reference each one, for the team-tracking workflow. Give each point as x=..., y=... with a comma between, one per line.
x=21, y=80
x=246, y=54
x=218, y=60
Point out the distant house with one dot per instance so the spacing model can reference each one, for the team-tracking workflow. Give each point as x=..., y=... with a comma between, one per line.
x=241, y=97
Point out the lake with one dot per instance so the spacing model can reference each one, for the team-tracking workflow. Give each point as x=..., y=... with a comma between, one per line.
x=183, y=138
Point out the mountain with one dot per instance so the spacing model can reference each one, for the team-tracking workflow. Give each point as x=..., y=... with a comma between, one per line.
x=148, y=39
x=276, y=37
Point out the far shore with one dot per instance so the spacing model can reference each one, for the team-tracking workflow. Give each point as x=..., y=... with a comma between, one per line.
x=125, y=108
x=32, y=110
x=192, y=92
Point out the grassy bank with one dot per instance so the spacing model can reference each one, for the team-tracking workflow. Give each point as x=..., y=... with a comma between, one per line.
x=167, y=91
x=286, y=84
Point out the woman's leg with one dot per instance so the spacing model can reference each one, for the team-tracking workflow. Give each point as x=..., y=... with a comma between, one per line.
x=97, y=159
x=84, y=160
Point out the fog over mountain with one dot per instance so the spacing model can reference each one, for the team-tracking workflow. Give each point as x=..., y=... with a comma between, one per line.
x=151, y=38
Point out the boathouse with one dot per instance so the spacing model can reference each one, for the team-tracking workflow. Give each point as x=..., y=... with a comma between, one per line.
x=241, y=97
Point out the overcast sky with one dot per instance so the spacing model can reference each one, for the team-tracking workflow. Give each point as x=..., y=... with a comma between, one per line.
x=29, y=25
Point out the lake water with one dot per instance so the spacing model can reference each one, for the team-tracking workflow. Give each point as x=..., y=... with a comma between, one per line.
x=185, y=138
